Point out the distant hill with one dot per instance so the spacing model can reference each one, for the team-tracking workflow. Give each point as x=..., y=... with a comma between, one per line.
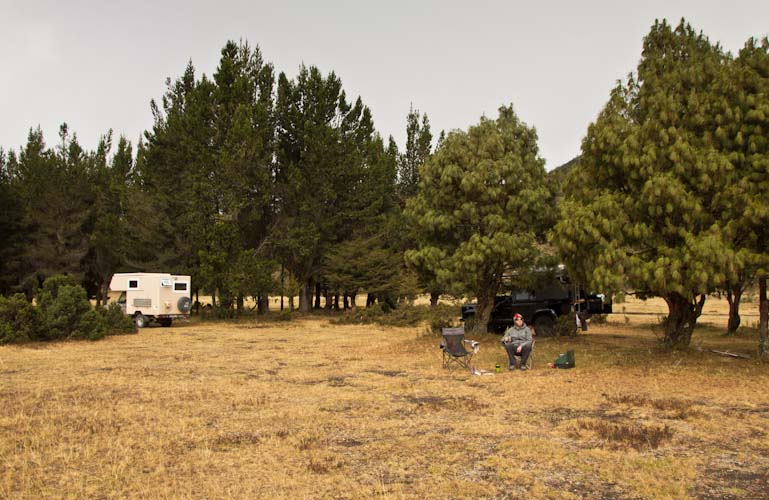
x=558, y=174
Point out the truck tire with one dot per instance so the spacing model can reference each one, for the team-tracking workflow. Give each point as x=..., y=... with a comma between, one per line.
x=141, y=320
x=544, y=326
x=184, y=304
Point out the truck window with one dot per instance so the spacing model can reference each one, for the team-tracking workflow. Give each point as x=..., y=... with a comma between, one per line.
x=180, y=287
x=523, y=295
x=133, y=284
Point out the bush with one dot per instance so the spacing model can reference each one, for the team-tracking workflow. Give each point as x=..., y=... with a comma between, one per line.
x=61, y=310
x=91, y=326
x=599, y=319
x=19, y=320
x=284, y=315
x=116, y=321
x=63, y=306
x=566, y=325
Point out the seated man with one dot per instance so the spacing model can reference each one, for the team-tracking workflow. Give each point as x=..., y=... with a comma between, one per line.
x=517, y=341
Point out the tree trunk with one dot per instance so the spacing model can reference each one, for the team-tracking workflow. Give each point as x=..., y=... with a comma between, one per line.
x=305, y=296
x=241, y=303
x=317, y=295
x=733, y=296
x=763, y=320
x=291, y=303
x=345, y=301
x=104, y=291
x=434, y=296
x=262, y=304
x=486, y=297
x=370, y=300
x=681, y=320
x=352, y=300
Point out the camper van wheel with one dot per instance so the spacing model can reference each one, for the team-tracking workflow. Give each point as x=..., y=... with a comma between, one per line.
x=141, y=320
x=165, y=322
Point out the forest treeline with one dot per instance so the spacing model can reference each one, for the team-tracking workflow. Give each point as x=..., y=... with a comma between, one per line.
x=243, y=174
x=256, y=184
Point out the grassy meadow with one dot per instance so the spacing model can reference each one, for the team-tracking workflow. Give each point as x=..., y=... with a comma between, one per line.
x=311, y=409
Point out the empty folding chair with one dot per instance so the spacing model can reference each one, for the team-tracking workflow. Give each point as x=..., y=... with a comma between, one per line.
x=453, y=347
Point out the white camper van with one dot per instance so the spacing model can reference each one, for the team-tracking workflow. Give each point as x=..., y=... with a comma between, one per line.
x=148, y=297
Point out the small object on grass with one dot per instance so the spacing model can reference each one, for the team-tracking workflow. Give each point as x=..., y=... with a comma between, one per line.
x=730, y=354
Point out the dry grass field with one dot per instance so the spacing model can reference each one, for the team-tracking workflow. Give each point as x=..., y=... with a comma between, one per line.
x=309, y=409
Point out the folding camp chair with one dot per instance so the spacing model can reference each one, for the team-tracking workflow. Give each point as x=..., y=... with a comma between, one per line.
x=453, y=347
x=530, y=361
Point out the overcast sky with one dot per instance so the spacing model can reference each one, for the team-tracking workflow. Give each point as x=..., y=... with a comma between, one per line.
x=97, y=64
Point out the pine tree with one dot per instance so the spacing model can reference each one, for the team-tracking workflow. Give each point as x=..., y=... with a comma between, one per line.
x=11, y=224
x=745, y=138
x=108, y=245
x=418, y=146
x=173, y=172
x=483, y=208
x=57, y=192
x=321, y=150
x=645, y=208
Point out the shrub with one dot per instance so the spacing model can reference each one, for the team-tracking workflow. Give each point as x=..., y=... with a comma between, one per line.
x=19, y=320
x=62, y=305
x=437, y=324
x=566, y=325
x=91, y=326
x=284, y=315
x=599, y=319
x=116, y=320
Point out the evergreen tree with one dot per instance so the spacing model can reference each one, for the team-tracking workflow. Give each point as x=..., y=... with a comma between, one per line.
x=108, y=244
x=744, y=137
x=645, y=208
x=322, y=142
x=57, y=192
x=418, y=146
x=173, y=170
x=12, y=230
x=208, y=162
x=483, y=208
x=367, y=255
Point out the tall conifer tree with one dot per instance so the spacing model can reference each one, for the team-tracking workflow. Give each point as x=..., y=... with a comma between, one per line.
x=483, y=208
x=644, y=209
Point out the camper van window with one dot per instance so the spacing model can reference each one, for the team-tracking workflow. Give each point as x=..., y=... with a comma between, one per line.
x=165, y=282
x=133, y=284
x=180, y=287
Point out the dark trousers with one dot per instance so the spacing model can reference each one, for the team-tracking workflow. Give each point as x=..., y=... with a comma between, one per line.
x=511, y=352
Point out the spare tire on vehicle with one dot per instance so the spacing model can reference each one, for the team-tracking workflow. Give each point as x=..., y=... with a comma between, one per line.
x=184, y=304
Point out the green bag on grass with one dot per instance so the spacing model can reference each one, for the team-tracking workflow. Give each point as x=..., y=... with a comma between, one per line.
x=565, y=360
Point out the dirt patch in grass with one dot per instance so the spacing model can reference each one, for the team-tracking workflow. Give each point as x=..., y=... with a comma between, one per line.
x=729, y=478
x=618, y=435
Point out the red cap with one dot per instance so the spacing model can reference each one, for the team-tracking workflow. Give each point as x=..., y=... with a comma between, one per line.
x=517, y=316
